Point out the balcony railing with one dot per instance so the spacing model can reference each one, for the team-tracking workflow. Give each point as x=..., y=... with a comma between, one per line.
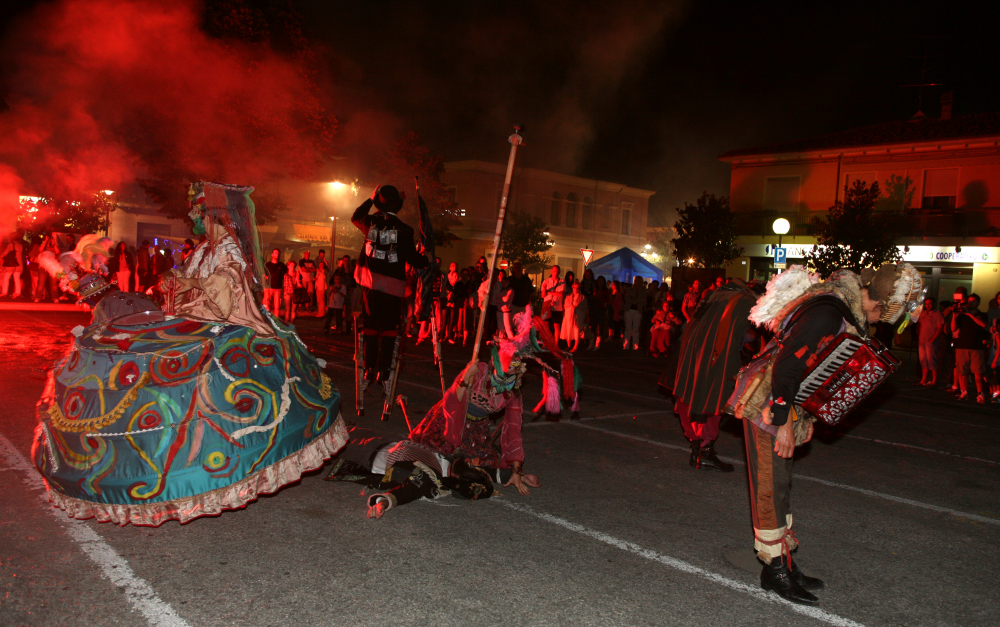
x=920, y=222
x=762, y=223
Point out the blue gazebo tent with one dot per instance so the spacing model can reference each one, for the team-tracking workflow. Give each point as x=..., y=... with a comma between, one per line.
x=624, y=265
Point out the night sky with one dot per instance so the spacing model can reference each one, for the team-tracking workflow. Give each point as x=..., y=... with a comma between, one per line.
x=642, y=93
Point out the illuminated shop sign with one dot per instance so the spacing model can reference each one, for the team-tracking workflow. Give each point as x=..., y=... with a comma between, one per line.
x=916, y=254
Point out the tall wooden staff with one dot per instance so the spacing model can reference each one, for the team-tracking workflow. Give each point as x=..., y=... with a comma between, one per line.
x=515, y=141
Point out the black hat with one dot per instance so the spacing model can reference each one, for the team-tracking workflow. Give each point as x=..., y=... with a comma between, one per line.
x=389, y=199
x=468, y=482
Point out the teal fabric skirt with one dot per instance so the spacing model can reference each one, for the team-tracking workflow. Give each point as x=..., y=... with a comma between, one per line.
x=180, y=418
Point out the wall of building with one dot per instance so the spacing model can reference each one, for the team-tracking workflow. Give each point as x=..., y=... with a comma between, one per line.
x=478, y=187
x=949, y=229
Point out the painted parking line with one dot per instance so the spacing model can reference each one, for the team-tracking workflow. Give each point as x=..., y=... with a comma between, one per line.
x=138, y=592
x=680, y=565
x=400, y=382
x=921, y=448
x=832, y=484
x=951, y=422
x=662, y=399
x=631, y=414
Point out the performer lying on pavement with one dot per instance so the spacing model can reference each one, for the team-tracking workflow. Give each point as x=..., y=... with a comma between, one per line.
x=460, y=424
x=405, y=471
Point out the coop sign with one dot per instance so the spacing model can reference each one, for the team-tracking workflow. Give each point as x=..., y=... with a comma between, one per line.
x=912, y=254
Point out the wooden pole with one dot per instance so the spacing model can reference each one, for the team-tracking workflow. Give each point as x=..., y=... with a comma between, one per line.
x=515, y=141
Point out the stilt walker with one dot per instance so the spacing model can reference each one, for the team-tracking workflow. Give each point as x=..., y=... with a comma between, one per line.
x=360, y=383
x=381, y=273
x=389, y=386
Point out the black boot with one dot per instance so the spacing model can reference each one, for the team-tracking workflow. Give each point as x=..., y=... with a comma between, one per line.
x=807, y=582
x=695, y=449
x=777, y=577
x=707, y=459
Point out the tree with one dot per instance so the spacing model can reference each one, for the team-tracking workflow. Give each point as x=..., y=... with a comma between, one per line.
x=706, y=233
x=855, y=234
x=45, y=215
x=662, y=254
x=411, y=158
x=524, y=239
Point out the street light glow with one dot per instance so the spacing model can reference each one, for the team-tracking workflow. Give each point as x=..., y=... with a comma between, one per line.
x=648, y=246
x=781, y=226
x=337, y=185
x=108, y=192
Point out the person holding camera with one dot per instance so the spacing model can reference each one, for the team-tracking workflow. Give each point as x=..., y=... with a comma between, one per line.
x=968, y=329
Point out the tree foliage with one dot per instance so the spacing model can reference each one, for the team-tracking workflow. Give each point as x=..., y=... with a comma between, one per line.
x=663, y=253
x=706, y=233
x=855, y=234
x=524, y=239
x=411, y=158
x=45, y=215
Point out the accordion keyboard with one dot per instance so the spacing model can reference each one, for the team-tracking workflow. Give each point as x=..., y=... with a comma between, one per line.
x=845, y=346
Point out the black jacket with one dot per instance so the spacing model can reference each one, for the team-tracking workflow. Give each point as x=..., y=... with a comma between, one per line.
x=710, y=349
x=388, y=248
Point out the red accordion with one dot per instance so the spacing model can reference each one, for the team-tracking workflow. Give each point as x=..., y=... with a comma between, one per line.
x=846, y=372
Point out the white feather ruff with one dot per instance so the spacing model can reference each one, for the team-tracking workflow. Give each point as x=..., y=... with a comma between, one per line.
x=782, y=289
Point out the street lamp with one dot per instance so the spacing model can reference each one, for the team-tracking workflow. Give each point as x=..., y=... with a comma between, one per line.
x=780, y=227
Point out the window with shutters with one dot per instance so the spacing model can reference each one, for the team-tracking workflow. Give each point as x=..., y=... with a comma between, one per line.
x=627, y=218
x=781, y=193
x=556, y=203
x=867, y=177
x=571, y=204
x=588, y=213
x=605, y=213
x=940, y=189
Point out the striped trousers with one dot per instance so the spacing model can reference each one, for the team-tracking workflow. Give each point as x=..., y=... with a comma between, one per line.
x=770, y=494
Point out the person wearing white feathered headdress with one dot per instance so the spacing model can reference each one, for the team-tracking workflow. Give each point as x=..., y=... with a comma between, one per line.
x=845, y=302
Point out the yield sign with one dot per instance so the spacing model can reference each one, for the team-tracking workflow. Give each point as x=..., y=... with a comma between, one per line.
x=587, y=254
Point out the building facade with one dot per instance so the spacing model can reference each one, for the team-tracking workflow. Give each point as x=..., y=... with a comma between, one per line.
x=950, y=166
x=580, y=213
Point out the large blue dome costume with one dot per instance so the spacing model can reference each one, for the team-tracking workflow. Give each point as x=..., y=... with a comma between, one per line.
x=182, y=417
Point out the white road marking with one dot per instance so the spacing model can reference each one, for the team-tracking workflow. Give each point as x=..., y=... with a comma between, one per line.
x=400, y=382
x=652, y=398
x=951, y=422
x=631, y=414
x=881, y=495
x=685, y=567
x=138, y=592
x=920, y=448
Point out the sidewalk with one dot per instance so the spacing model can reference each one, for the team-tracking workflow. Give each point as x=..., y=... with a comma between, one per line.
x=27, y=305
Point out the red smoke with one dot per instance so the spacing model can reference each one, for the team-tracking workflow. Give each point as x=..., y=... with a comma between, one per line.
x=104, y=91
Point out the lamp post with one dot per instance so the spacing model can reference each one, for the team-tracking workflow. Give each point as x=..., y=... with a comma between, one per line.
x=780, y=227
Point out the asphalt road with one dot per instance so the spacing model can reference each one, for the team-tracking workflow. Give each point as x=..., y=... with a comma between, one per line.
x=897, y=512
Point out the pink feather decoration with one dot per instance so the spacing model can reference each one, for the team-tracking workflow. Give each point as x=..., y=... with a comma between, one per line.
x=552, y=404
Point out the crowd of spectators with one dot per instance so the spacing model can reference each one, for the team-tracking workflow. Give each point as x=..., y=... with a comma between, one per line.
x=137, y=270
x=960, y=344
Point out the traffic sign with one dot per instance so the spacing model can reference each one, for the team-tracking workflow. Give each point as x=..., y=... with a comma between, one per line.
x=587, y=254
x=780, y=254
